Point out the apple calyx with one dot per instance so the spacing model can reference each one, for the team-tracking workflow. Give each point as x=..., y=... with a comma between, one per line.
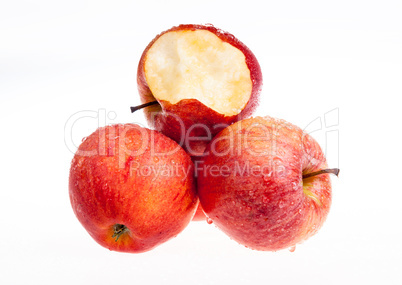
x=118, y=230
x=322, y=171
x=139, y=107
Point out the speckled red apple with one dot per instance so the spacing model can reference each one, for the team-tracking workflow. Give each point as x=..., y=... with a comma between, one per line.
x=132, y=188
x=202, y=80
x=265, y=183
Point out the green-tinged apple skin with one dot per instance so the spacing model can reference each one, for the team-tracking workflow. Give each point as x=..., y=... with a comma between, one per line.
x=255, y=192
x=189, y=122
x=113, y=182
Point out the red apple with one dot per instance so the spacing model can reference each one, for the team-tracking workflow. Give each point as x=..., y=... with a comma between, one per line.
x=132, y=188
x=198, y=80
x=265, y=183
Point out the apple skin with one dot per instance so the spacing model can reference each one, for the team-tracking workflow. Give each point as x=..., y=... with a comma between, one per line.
x=268, y=207
x=111, y=182
x=189, y=122
x=199, y=213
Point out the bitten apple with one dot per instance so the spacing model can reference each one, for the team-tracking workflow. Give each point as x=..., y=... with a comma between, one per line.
x=132, y=188
x=265, y=183
x=196, y=80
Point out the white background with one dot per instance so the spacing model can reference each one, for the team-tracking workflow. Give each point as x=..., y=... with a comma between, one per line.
x=58, y=58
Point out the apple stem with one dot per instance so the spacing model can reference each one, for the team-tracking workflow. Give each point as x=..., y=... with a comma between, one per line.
x=322, y=171
x=119, y=229
x=136, y=108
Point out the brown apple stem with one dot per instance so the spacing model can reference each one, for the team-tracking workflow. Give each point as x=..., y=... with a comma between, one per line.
x=136, y=108
x=322, y=171
x=119, y=229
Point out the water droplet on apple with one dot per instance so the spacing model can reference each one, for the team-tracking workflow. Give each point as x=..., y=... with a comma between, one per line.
x=265, y=200
x=267, y=177
x=281, y=171
x=173, y=162
x=156, y=159
x=248, y=208
x=292, y=248
x=281, y=204
x=251, y=193
x=209, y=221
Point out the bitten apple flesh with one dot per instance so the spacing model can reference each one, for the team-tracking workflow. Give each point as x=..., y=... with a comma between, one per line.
x=132, y=188
x=251, y=185
x=203, y=79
